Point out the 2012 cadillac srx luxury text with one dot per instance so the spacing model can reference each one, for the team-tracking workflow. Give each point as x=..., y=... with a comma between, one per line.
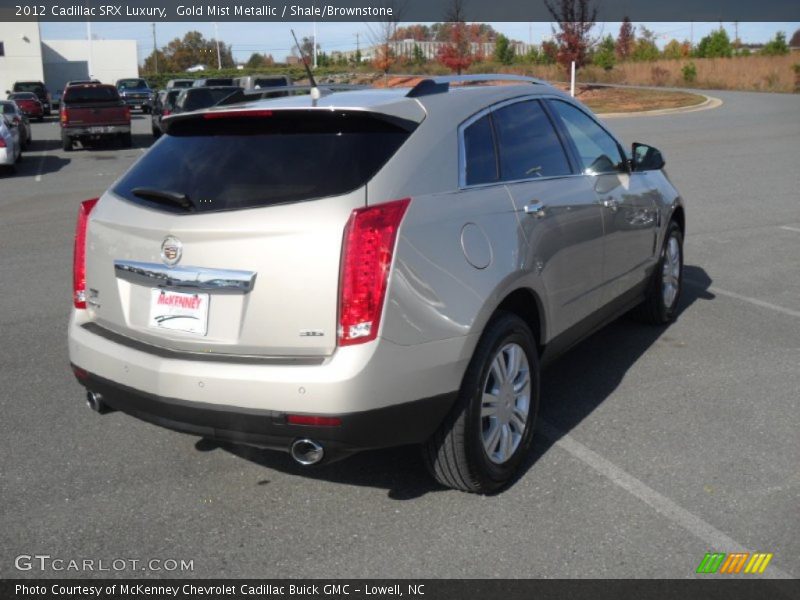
x=369, y=268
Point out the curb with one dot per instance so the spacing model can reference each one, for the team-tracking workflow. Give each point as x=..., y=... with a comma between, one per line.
x=710, y=102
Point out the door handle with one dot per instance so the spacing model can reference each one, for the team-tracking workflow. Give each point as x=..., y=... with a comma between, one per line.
x=611, y=203
x=535, y=209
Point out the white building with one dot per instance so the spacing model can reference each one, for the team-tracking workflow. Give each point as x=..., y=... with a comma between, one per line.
x=24, y=56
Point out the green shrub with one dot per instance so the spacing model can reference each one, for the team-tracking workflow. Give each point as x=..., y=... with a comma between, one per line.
x=689, y=72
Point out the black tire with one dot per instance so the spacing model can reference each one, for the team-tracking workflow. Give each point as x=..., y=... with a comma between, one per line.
x=156, y=133
x=127, y=140
x=655, y=310
x=66, y=142
x=455, y=455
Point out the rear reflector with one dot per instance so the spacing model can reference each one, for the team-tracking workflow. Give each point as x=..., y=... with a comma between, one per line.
x=368, y=247
x=79, y=255
x=80, y=374
x=313, y=420
x=237, y=114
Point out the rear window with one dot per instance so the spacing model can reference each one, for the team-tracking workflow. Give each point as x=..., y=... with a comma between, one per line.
x=204, y=97
x=8, y=108
x=28, y=86
x=262, y=82
x=237, y=163
x=86, y=95
x=23, y=96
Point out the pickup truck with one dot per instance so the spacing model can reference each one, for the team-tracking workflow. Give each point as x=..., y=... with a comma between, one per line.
x=94, y=111
x=136, y=94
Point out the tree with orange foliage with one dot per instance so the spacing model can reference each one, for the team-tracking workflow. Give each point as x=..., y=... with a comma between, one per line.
x=456, y=55
x=575, y=19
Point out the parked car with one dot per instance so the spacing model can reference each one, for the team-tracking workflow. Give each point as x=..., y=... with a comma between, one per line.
x=29, y=104
x=259, y=82
x=212, y=81
x=94, y=111
x=136, y=94
x=190, y=99
x=38, y=88
x=179, y=83
x=369, y=269
x=14, y=115
x=162, y=107
x=10, y=147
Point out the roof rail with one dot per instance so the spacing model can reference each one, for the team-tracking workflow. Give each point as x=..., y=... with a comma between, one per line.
x=440, y=85
x=285, y=90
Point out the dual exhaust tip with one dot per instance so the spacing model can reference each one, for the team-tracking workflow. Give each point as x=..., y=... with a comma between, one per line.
x=304, y=451
x=97, y=404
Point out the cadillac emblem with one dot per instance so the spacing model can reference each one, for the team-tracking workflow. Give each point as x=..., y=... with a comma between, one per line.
x=171, y=250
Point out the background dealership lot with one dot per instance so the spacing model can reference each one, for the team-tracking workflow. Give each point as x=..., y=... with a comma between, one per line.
x=656, y=445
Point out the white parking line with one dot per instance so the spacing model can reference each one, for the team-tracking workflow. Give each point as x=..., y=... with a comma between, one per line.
x=755, y=301
x=712, y=536
x=787, y=228
x=41, y=166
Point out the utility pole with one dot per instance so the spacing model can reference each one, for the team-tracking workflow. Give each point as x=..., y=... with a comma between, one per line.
x=155, y=49
x=358, y=48
x=315, y=44
x=216, y=38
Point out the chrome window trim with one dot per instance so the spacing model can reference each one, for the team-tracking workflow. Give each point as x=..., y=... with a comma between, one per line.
x=462, y=152
x=191, y=278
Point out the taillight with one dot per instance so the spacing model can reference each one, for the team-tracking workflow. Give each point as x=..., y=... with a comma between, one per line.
x=166, y=112
x=79, y=255
x=127, y=112
x=231, y=114
x=64, y=118
x=2, y=143
x=368, y=247
x=317, y=421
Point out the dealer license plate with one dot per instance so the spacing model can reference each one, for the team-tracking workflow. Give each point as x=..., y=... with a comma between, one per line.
x=179, y=311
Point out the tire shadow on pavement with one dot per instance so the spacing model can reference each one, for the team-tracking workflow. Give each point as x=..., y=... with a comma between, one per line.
x=577, y=383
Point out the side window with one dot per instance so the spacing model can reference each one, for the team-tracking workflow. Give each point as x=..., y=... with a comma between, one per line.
x=527, y=143
x=598, y=151
x=479, y=151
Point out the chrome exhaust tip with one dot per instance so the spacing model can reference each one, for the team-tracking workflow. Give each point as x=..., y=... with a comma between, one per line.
x=307, y=452
x=96, y=403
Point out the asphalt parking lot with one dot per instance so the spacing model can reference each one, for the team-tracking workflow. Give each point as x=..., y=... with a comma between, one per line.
x=655, y=445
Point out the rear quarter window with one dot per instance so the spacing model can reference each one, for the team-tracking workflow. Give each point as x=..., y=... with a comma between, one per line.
x=238, y=163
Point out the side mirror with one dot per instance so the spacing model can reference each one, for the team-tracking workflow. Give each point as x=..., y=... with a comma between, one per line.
x=646, y=158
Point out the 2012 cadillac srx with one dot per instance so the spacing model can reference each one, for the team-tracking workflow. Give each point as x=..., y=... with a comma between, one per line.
x=370, y=268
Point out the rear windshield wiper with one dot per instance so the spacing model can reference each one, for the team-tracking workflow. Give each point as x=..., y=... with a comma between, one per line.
x=164, y=197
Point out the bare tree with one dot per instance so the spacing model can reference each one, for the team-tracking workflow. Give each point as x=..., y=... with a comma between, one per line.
x=575, y=19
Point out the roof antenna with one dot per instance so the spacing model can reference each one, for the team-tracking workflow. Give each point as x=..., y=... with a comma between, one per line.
x=315, y=93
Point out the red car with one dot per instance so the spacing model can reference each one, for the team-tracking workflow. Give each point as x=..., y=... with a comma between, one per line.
x=29, y=104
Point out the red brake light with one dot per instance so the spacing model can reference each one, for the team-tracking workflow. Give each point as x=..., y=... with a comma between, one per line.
x=313, y=420
x=368, y=248
x=127, y=111
x=79, y=256
x=166, y=112
x=238, y=114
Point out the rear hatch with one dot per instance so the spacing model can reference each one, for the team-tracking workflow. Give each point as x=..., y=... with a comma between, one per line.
x=250, y=212
x=93, y=105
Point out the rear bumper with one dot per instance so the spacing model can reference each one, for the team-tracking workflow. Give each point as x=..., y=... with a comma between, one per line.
x=374, y=388
x=397, y=425
x=93, y=130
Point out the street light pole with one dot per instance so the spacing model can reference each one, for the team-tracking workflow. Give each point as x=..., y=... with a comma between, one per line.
x=216, y=38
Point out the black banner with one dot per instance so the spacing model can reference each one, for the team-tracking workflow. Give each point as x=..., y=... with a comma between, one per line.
x=387, y=10
x=422, y=589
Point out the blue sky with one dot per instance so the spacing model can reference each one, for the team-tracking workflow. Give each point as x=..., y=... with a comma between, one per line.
x=275, y=39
